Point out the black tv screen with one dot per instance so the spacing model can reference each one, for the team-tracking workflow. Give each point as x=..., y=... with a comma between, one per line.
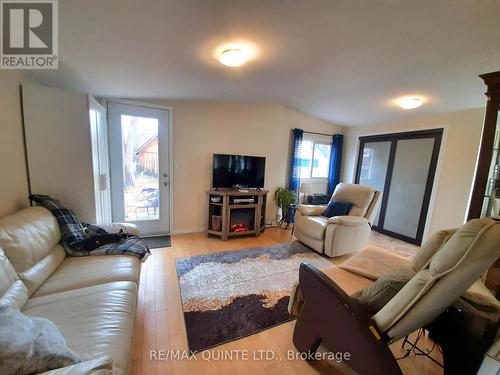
x=238, y=171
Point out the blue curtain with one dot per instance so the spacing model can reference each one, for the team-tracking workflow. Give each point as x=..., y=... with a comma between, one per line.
x=335, y=162
x=294, y=183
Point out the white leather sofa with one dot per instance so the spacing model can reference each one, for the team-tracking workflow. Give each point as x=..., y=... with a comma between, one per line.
x=92, y=300
x=338, y=235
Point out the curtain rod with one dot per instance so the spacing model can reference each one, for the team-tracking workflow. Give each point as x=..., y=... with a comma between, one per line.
x=328, y=135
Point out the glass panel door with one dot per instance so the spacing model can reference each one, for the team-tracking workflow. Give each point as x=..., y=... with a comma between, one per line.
x=141, y=180
x=401, y=166
x=139, y=166
x=491, y=201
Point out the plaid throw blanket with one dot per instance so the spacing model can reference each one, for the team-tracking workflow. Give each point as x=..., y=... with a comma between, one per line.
x=74, y=233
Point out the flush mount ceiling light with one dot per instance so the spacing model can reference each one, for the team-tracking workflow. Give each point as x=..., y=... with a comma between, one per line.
x=410, y=102
x=233, y=57
x=235, y=53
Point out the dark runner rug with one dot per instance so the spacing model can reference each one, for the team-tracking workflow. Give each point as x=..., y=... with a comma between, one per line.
x=155, y=242
x=229, y=295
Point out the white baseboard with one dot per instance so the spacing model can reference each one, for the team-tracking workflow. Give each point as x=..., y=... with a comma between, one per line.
x=187, y=231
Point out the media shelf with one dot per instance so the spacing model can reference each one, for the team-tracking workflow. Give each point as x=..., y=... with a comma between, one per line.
x=233, y=213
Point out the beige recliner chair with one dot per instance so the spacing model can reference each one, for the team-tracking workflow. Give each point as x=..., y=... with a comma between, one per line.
x=338, y=235
x=445, y=267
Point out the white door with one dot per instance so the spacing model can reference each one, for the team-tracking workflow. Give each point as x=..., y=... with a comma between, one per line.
x=140, y=176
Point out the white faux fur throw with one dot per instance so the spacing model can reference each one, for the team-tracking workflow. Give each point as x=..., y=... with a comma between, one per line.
x=30, y=345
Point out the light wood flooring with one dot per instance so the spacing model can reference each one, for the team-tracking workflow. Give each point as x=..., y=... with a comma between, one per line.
x=159, y=323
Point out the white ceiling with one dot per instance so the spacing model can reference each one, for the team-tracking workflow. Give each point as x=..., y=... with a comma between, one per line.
x=340, y=60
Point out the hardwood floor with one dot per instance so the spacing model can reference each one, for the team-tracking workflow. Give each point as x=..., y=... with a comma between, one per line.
x=159, y=325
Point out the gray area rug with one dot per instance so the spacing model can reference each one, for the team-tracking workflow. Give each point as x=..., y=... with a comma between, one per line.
x=233, y=294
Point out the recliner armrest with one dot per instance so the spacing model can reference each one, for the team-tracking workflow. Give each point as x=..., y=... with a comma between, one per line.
x=348, y=221
x=311, y=209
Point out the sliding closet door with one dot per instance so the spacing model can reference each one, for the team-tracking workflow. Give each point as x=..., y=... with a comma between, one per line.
x=402, y=167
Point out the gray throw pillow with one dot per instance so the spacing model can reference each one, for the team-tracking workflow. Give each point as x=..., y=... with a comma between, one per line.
x=30, y=345
x=376, y=296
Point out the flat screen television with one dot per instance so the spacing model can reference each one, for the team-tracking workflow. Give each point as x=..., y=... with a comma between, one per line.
x=238, y=171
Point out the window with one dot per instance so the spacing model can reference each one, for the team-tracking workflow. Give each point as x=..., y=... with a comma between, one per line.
x=321, y=160
x=314, y=159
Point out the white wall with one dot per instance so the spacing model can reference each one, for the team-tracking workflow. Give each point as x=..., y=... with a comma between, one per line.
x=13, y=177
x=455, y=168
x=202, y=128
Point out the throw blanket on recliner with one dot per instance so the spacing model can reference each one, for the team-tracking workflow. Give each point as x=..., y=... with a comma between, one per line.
x=76, y=237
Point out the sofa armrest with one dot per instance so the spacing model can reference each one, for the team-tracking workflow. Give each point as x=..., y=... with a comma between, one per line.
x=98, y=366
x=348, y=221
x=116, y=227
x=311, y=209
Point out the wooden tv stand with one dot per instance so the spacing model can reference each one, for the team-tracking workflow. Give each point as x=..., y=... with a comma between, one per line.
x=233, y=218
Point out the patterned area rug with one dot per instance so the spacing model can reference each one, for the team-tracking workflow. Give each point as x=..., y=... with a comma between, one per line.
x=229, y=295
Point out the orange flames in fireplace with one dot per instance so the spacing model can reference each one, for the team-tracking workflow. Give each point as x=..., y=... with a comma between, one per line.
x=239, y=227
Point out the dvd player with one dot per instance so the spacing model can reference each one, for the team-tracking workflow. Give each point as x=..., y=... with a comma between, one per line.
x=244, y=200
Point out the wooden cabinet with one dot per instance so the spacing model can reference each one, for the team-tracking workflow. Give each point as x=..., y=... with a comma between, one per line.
x=485, y=199
x=236, y=213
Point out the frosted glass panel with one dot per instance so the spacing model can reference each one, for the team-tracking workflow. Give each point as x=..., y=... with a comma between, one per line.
x=409, y=177
x=374, y=167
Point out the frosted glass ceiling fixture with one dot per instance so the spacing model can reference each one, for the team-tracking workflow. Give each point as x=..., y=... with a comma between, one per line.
x=233, y=57
x=410, y=102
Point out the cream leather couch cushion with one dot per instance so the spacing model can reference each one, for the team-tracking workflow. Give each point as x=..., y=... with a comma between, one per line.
x=429, y=247
x=311, y=210
x=95, y=321
x=36, y=276
x=28, y=235
x=30, y=239
x=457, y=246
x=360, y=196
x=311, y=226
x=81, y=272
x=13, y=292
x=403, y=301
